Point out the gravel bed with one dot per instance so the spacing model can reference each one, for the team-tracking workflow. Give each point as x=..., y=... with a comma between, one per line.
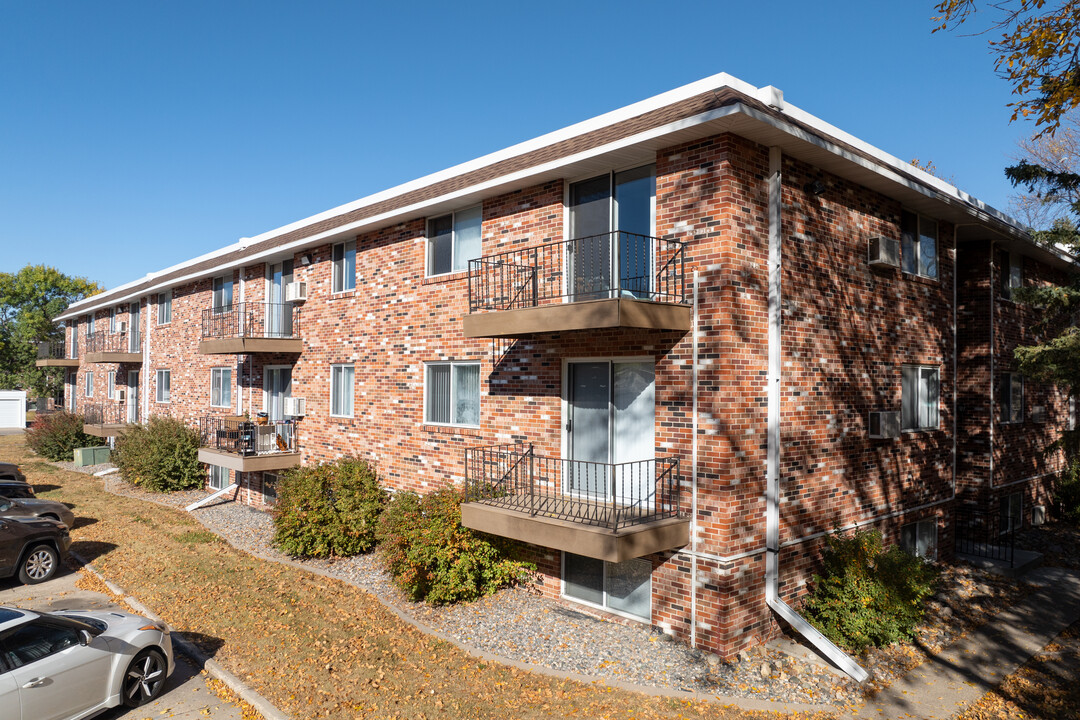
x=520, y=624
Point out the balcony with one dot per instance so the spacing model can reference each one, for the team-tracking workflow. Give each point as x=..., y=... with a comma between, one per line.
x=250, y=327
x=54, y=354
x=114, y=347
x=613, y=280
x=240, y=444
x=109, y=419
x=607, y=511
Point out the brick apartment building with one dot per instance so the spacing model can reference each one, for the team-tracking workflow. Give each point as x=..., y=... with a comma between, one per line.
x=670, y=347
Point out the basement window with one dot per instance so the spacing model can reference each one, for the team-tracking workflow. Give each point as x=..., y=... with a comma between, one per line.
x=219, y=477
x=920, y=538
x=623, y=588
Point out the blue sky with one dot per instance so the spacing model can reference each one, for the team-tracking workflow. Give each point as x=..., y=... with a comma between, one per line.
x=137, y=135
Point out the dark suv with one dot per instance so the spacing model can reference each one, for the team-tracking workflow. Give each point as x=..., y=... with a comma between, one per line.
x=13, y=483
x=32, y=549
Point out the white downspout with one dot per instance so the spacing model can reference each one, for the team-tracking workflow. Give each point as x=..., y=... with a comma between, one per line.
x=145, y=314
x=772, y=475
x=993, y=357
x=693, y=470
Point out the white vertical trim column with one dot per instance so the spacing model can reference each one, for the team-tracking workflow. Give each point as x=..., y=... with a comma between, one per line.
x=772, y=463
x=145, y=316
x=694, y=467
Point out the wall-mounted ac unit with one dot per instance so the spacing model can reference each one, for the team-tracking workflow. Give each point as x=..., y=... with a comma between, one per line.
x=121, y=395
x=884, y=252
x=296, y=291
x=1038, y=515
x=296, y=407
x=1038, y=414
x=884, y=424
x=121, y=326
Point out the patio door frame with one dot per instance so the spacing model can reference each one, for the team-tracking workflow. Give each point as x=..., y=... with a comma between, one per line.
x=613, y=252
x=566, y=435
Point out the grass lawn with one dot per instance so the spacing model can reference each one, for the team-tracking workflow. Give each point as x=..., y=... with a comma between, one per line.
x=314, y=647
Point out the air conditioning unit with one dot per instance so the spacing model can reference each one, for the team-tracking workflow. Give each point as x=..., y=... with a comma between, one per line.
x=296, y=291
x=121, y=395
x=1038, y=414
x=884, y=252
x=121, y=326
x=884, y=424
x=296, y=407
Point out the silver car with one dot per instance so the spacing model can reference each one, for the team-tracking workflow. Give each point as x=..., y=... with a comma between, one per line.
x=36, y=508
x=74, y=664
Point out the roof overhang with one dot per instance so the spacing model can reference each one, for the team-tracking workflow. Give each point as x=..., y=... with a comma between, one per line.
x=758, y=114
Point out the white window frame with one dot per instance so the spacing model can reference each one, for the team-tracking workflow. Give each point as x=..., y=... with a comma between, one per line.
x=112, y=321
x=90, y=325
x=166, y=373
x=215, y=379
x=336, y=369
x=1072, y=413
x=916, y=246
x=479, y=392
x=917, y=525
x=88, y=391
x=164, y=307
x=218, y=294
x=110, y=385
x=217, y=477
x=270, y=498
x=1012, y=276
x=605, y=607
x=340, y=279
x=921, y=390
x=428, y=270
x=1007, y=503
x=1010, y=414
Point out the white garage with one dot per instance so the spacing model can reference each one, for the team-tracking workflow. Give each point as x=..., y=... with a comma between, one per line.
x=12, y=408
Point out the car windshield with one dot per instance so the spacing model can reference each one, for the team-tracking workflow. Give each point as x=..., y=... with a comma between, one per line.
x=92, y=624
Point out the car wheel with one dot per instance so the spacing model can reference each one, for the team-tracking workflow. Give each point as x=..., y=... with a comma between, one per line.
x=39, y=565
x=145, y=678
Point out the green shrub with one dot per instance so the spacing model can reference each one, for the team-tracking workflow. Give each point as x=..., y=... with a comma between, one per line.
x=329, y=509
x=56, y=435
x=866, y=595
x=161, y=456
x=432, y=557
x=1067, y=493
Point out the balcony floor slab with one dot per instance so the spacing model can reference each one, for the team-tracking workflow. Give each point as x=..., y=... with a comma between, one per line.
x=249, y=463
x=242, y=345
x=585, y=315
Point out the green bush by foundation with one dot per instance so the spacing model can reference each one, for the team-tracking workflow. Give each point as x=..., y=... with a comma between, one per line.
x=161, y=456
x=56, y=435
x=432, y=557
x=330, y=509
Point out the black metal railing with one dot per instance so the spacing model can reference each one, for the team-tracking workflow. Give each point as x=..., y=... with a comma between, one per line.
x=610, y=265
x=251, y=320
x=115, y=412
x=52, y=350
x=113, y=342
x=984, y=534
x=245, y=437
x=608, y=495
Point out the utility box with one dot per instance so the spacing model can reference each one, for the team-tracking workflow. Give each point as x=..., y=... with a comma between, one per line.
x=1038, y=515
x=91, y=456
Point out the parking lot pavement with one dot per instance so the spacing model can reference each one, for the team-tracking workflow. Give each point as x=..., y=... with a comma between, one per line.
x=186, y=695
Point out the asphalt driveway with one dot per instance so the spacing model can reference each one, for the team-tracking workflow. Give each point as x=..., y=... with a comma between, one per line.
x=185, y=696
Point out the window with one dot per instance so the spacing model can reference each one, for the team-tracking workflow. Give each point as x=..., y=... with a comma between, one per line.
x=90, y=326
x=163, y=382
x=341, y=390
x=219, y=477
x=919, y=244
x=222, y=295
x=38, y=639
x=221, y=387
x=269, y=487
x=1012, y=398
x=1013, y=278
x=89, y=384
x=344, y=270
x=112, y=321
x=110, y=387
x=920, y=539
x=452, y=394
x=453, y=240
x=625, y=587
x=1072, y=412
x=1012, y=512
x=164, y=307
x=919, y=397
x=74, y=339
